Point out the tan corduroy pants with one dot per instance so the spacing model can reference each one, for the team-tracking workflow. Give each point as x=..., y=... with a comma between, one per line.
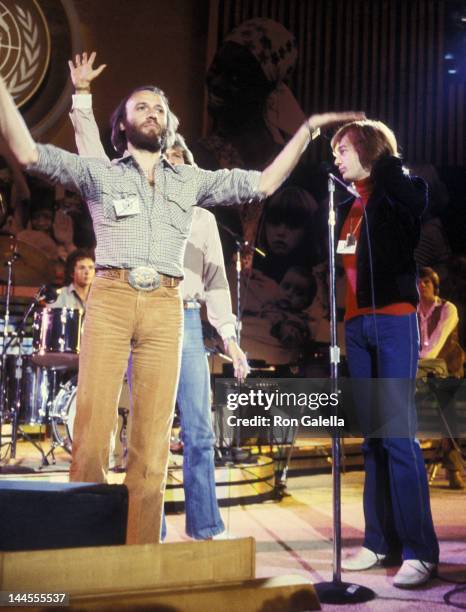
x=116, y=317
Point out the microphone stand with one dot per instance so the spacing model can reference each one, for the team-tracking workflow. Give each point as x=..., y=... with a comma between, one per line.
x=240, y=244
x=14, y=257
x=238, y=455
x=336, y=591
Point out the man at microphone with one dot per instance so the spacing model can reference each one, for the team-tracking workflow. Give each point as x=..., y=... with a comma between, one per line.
x=378, y=230
x=79, y=273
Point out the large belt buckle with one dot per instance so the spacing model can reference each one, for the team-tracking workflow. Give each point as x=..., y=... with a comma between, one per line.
x=144, y=278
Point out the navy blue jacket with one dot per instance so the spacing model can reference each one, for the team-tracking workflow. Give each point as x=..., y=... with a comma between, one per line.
x=386, y=270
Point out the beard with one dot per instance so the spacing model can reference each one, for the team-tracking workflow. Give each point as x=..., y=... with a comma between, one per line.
x=146, y=141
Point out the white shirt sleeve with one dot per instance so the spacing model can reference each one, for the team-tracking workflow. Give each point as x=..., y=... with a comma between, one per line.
x=86, y=130
x=217, y=290
x=447, y=323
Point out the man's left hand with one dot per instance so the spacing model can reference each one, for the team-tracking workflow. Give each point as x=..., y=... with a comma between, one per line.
x=240, y=362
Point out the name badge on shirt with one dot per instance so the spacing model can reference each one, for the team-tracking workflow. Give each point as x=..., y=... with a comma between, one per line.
x=348, y=246
x=124, y=207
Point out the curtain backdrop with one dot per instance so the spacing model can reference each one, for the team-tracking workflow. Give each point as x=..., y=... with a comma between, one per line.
x=385, y=57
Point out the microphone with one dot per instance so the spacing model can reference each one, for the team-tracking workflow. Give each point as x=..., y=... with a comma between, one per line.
x=240, y=242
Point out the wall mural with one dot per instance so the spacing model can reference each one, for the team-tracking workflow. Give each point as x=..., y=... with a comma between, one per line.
x=273, y=63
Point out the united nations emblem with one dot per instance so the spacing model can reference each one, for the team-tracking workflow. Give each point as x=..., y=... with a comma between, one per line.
x=24, y=47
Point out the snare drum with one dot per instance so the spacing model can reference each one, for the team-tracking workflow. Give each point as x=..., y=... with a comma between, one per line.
x=57, y=337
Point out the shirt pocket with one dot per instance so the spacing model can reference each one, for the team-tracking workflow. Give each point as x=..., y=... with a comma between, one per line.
x=180, y=199
x=180, y=216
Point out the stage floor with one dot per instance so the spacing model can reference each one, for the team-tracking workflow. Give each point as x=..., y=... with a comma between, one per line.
x=294, y=535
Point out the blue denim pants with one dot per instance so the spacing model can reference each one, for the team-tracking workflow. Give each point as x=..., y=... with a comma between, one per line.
x=396, y=494
x=203, y=518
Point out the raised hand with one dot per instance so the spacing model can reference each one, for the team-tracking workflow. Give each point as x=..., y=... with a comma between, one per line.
x=326, y=119
x=82, y=71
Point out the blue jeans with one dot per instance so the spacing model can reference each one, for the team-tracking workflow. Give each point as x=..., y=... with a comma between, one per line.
x=396, y=494
x=203, y=518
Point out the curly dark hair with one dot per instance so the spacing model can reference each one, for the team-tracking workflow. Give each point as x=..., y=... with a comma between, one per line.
x=73, y=259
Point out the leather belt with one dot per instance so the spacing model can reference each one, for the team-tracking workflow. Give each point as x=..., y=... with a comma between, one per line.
x=123, y=274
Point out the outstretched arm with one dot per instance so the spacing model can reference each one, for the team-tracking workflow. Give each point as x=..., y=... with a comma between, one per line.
x=57, y=165
x=82, y=117
x=14, y=131
x=285, y=162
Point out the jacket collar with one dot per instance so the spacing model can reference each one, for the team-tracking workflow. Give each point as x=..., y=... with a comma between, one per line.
x=375, y=196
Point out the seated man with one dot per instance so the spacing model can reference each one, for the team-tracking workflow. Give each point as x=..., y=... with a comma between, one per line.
x=80, y=272
x=438, y=322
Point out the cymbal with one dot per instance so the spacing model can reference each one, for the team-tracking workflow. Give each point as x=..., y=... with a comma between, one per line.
x=31, y=266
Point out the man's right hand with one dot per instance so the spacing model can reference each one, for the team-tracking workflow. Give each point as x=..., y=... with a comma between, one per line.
x=83, y=73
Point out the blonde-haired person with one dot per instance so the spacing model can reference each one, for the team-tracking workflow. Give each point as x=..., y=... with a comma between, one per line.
x=438, y=323
x=179, y=152
x=378, y=233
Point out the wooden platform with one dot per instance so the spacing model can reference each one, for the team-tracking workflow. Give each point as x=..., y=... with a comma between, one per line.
x=184, y=577
x=107, y=569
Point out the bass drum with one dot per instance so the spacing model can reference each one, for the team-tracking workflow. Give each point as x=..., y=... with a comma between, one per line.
x=63, y=413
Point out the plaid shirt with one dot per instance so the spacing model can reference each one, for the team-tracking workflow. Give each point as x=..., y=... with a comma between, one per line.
x=156, y=234
x=68, y=298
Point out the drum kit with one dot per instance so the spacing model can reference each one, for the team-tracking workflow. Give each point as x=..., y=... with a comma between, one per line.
x=38, y=364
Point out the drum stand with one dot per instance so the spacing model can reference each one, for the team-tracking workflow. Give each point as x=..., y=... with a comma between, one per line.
x=237, y=454
x=51, y=453
x=3, y=412
x=123, y=412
